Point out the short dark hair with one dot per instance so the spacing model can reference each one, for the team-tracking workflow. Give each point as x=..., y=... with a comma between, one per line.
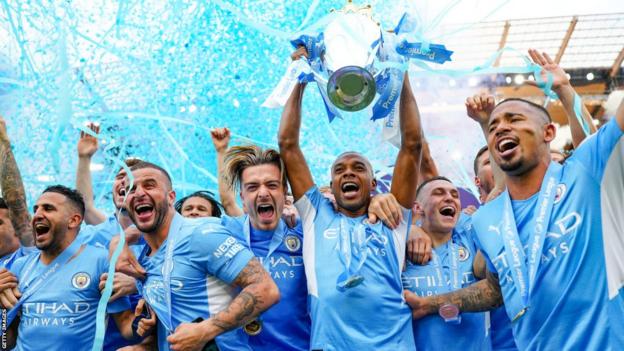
x=3, y=204
x=432, y=179
x=530, y=103
x=217, y=207
x=475, y=163
x=366, y=161
x=146, y=164
x=72, y=195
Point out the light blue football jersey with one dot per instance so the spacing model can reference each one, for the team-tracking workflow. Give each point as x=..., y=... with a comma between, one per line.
x=286, y=325
x=436, y=278
x=569, y=308
x=61, y=315
x=7, y=261
x=205, y=261
x=372, y=315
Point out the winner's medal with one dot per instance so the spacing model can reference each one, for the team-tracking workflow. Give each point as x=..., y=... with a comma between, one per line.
x=253, y=328
x=450, y=313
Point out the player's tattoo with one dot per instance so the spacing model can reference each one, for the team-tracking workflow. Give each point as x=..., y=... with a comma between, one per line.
x=14, y=194
x=484, y=295
x=248, y=302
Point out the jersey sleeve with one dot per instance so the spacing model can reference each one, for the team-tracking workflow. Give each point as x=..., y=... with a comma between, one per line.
x=311, y=203
x=218, y=253
x=596, y=150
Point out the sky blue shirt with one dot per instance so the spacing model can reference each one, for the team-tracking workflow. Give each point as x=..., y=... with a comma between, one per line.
x=61, y=315
x=100, y=235
x=432, y=332
x=372, y=315
x=569, y=309
x=286, y=325
x=7, y=261
x=206, y=260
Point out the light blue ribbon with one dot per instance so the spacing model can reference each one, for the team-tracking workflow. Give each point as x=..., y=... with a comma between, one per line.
x=523, y=276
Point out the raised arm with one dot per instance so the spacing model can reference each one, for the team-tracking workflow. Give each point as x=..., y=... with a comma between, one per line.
x=479, y=108
x=87, y=146
x=13, y=189
x=484, y=295
x=220, y=140
x=258, y=293
x=405, y=176
x=562, y=87
x=428, y=168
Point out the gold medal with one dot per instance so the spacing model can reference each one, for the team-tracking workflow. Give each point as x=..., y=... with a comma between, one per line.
x=253, y=328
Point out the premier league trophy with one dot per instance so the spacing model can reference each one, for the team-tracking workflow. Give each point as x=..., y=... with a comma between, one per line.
x=355, y=62
x=351, y=44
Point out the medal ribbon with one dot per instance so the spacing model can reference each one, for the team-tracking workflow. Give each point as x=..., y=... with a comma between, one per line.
x=351, y=256
x=514, y=250
x=41, y=278
x=454, y=283
x=276, y=241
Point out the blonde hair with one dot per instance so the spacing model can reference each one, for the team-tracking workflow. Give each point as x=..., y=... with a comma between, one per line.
x=238, y=158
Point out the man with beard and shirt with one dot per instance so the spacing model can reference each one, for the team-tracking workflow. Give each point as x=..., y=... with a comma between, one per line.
x=15, y=229
x=99, y=229
x=58, y=292
x=452, y=266
x=190, y=265
x=353, y=268
x=260, y=178
x=490, y=179
x=543, y=238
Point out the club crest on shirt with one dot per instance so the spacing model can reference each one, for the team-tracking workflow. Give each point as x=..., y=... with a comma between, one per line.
x=561, y=190
x=81, y=280
x=463, y=253
x=293, y=244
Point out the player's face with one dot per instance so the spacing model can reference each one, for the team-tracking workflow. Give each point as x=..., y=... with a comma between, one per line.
x=150, y=199
x=352, y=182
x=485, y=177
x=263, y=195
x=440, y=206
x=196, y=206
x=51, y=220
x=518, y=137
x=7, y=232
x=119, y=188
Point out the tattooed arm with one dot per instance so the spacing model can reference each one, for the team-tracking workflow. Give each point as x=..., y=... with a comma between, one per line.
x=484, y=295
x=258, y=293
x=13, y=189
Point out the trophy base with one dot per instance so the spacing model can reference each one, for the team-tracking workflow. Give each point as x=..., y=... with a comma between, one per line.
x=351, y=88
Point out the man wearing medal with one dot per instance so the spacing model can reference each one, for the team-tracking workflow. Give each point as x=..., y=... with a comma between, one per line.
x=57, y=298
x=451, y=268
x=260, y=177
x=353, y=268
x=191, y=265
x=548, y=255
x=272, y=235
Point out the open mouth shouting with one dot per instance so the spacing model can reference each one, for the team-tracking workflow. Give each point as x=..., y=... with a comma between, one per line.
x=42, y=230
x=448, y=212
x=266, y=212
x=144, y=212
x=506, y=146
x=350, y=190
